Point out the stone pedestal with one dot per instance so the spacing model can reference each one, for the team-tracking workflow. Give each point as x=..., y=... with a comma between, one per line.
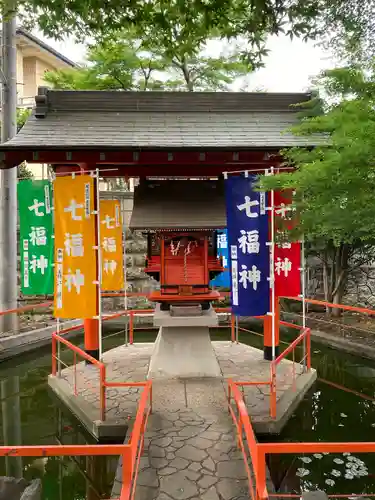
x=183, y=352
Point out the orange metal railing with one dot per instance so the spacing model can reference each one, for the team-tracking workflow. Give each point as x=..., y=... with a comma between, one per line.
x=255, y=454
x=130, y=452
x=245, y=437
x=58, y=339
x=304, y=340
x=344, y=307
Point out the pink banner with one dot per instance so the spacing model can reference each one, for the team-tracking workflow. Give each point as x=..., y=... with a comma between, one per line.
x=287, y=254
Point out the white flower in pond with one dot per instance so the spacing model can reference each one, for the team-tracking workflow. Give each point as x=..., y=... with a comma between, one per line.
x=338, y=461
x=306, y=460
x=362, y=473
x=301, y=472
x=341, y=425
x=325, y=453
x=336, y=473
x=349, y=475
x=343, y=415
x=373, y=425
x=330, y=482
x=352, y=459
x=346, y=454
x=318, y=455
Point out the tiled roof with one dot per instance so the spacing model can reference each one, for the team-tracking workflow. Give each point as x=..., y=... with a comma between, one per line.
x=179, y=205
x=124, y=120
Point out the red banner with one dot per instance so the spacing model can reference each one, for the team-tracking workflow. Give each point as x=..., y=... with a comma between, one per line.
x=287, y=254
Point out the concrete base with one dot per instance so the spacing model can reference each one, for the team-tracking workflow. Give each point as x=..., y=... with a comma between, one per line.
x=183, y=353
x=112, y=430
x=164, y=318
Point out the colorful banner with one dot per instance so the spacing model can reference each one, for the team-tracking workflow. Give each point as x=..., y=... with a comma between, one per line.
x=112, y=246
x=76, y=281
x=287, y=254
x=223, y=279
x=247, y=225
x=36, y=237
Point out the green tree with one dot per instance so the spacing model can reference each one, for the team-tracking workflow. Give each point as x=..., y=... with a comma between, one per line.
x=335, y=180
x=133, y=60
x=351, y=21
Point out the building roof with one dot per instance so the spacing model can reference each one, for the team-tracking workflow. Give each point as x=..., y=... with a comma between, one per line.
x=152, y=120
x=30, y=38
x=179, y=205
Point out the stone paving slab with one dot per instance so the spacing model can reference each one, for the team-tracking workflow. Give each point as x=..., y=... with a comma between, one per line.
x=189, y=454
x=237, y=361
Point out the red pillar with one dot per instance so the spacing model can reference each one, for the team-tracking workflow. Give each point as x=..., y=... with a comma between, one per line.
x=267, y=331
x=91, y=337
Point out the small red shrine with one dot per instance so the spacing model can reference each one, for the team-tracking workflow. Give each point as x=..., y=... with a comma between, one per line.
x=180, y=218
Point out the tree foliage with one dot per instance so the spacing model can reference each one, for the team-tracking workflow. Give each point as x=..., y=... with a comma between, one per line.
x=335, y=181
x=130, y=60
x=349, y=21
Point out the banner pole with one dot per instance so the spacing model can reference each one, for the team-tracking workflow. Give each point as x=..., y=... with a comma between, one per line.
x=100, y=330
x=303, y=284
x=272, y=271
x=125, y=284
x=58, y=348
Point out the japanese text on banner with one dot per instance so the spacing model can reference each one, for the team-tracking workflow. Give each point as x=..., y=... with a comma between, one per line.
x=247, y=226
x=111, y=243
x=76, y=281
x=223, y=279
x=287, y=254
x=36, y=237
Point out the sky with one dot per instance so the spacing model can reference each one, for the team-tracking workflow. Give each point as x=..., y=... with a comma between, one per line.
x=289, y=66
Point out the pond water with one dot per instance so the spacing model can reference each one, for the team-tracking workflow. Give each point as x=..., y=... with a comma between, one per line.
x=32, y=415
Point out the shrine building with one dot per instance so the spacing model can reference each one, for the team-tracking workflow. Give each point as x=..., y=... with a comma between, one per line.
x=159, y=136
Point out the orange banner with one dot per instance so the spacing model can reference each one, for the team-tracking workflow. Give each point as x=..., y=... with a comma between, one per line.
x=76, y=282
x=111, y=244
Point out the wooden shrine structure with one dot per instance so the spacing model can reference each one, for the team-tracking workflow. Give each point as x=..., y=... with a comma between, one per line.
x=157, y=136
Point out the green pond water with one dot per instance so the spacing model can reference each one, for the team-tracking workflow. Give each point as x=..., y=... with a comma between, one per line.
x=32, y=415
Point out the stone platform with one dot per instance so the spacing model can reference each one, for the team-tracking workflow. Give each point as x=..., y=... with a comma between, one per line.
x=236, y=361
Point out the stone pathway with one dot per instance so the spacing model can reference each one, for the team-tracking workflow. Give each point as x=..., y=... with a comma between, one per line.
x=190, y=446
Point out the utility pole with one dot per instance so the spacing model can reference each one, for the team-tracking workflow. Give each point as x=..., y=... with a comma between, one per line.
x=8, y=178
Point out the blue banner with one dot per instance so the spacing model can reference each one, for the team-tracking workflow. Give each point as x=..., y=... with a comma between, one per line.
x=247, y=226
x=222, y=280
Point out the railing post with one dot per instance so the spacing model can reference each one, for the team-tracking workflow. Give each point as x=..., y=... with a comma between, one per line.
x=127, y=474
x=131, y=328
x=308, y=349
x=102, y=393
x=53, y=355
x=260, y=474
x=273, y=393
x=75, y=372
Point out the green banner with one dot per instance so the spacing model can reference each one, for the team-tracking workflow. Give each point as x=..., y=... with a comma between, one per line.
x=36, y=237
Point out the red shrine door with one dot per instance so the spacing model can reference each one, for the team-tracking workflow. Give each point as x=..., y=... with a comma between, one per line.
x=185, y=265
